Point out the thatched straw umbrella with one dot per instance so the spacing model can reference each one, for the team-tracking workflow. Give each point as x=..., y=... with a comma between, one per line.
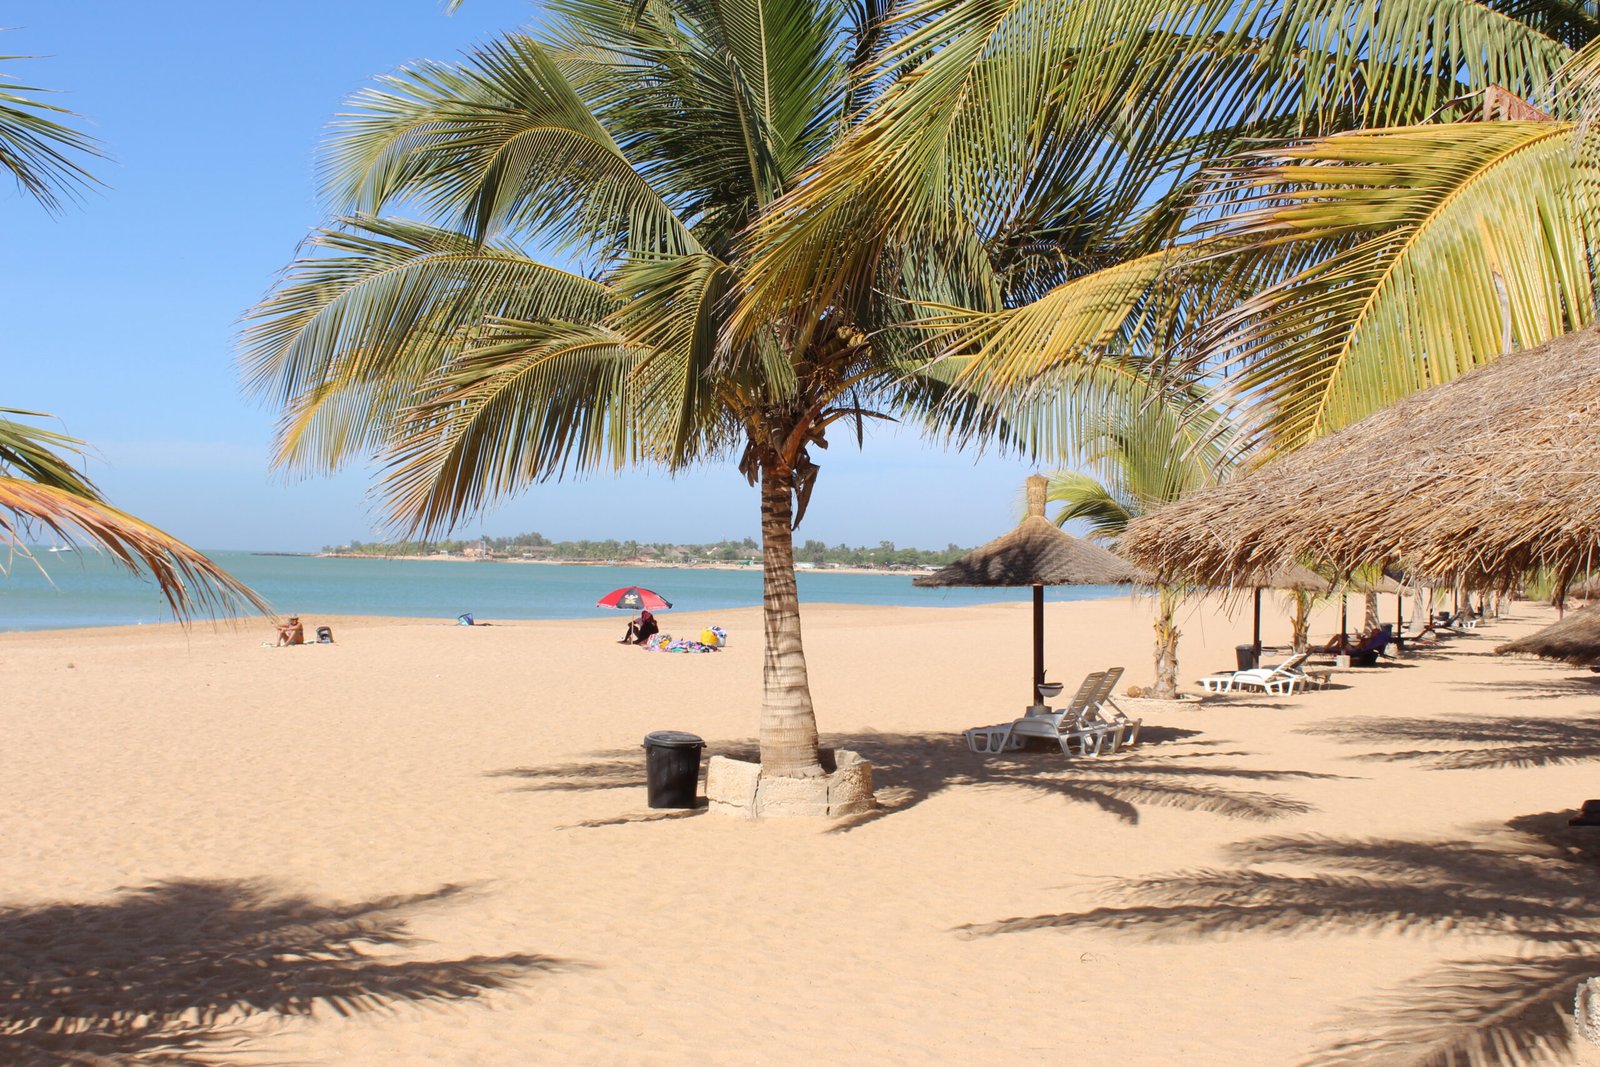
x=1037, y=554
x=1586, y=589
x=1293, y=578
x=1480, y=480
x=1575, y=639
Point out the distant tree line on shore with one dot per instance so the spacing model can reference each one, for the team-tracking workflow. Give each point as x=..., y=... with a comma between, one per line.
x=537, y=546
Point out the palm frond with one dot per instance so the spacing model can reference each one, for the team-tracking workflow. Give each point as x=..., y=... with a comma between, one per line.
x=1085, y=497
x=1433, y=250
x=531, y=402
x=994, y=108
x=41, y=152
x=41, y=455
x=372, y=309
x=42, y=492
x=500, y=141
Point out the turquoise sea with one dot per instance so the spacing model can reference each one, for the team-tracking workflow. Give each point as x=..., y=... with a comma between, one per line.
x=85, y=589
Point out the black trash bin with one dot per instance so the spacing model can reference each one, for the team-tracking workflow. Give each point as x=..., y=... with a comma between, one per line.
x=1249, y=657
x=672, y=768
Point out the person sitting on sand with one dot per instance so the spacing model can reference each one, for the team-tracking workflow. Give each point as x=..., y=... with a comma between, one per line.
x=641, y=629
x=291, y=632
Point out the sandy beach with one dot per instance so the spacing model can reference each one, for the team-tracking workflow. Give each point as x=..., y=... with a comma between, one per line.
x=429, y=844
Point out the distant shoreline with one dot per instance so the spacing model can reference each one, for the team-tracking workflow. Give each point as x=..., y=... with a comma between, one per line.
x=715, y=565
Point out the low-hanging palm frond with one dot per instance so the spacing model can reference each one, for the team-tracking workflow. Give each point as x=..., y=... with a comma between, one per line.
x=43, y=493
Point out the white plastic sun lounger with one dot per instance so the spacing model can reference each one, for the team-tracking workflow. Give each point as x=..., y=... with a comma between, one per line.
x=1004, y=738
x=1105, y=709
x=1276, y=680
x=1079, y=727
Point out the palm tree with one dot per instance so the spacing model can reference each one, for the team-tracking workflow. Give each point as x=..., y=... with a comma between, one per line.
x=1142, y=455
x=41, y=491
x=640, y=142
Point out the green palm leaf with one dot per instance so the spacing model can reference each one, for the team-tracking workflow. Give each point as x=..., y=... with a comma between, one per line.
x=498, y=142
x=40, y=152
x=371, y=311
x=1086, y=498
x=533, y=401
x=1435, y=249
x=997, y=107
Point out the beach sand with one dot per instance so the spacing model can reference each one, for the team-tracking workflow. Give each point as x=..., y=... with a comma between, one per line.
x=429, y=844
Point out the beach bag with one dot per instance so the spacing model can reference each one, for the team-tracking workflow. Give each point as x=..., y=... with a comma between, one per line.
x=709, y=637
x=324, y=635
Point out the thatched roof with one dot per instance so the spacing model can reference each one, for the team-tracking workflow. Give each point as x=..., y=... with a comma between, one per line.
x=1585, y=588
x=1035, y=553
x=1292, y=578
x=1381, y=584
x=1575, y=639
x=1479, y=479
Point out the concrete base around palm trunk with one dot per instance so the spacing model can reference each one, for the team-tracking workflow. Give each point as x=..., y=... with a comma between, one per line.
x=735, y=787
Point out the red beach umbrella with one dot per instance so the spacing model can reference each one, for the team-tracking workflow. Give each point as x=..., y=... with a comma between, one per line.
x=634, y=599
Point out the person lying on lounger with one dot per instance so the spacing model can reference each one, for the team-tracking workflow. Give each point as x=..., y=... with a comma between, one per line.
x=641, y=629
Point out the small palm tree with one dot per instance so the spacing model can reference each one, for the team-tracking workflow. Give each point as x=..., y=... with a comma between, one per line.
x=41, y=490
x=1141, y=456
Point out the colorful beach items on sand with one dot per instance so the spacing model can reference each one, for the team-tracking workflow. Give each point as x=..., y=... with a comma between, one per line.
x=632, y=598
x=666, y=643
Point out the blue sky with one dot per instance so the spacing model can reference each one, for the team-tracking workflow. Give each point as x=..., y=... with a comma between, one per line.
x=120, y=313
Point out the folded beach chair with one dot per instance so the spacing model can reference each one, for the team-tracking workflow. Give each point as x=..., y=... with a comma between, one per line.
x=1000, y=738
x=1074, y=727
x=1082, y=700
x=1280, y=679
x=1105, y=709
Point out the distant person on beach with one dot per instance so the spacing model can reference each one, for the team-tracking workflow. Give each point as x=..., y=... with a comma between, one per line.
x=291, y=632
x=641, y=629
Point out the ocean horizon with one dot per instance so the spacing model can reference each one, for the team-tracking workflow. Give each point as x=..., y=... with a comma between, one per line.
x=85, y=588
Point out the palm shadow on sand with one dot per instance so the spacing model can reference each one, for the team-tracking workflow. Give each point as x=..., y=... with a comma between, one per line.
x=1171, y=767
x=1532, y=879
x=166, y=974
x=1469, y=742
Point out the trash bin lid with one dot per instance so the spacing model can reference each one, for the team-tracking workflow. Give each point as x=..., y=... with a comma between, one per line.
x=673, y=739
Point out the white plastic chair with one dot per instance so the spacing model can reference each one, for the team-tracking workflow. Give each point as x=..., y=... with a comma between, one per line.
x=1080, y=724
x=1276, y=680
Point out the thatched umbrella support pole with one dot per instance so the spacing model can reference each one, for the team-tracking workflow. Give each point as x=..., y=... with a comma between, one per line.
x=1256, y=642
x=1038, y=644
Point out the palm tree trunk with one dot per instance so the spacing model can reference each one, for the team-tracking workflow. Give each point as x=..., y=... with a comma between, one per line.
x=788, y=724
x=1301, y=639
x=1166, y=687
x=1372, y=620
